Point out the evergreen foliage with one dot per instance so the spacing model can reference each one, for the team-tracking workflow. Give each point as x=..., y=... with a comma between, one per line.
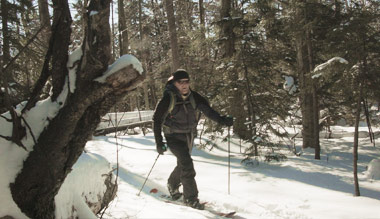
x=248, y=83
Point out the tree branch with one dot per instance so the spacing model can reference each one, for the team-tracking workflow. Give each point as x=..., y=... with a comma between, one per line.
x=44, y=76
x=23, y=48
x=30, y=129
x=60, y=45
x=8, y=120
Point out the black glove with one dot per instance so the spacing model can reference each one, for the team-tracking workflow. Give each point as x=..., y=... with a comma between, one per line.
x=161, y=148
x=227, y=120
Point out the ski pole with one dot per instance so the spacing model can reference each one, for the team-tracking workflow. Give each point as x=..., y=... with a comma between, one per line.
x=148, y=174
x=229, y=160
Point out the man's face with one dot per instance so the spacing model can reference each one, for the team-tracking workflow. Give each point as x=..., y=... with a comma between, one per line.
x=183, y=85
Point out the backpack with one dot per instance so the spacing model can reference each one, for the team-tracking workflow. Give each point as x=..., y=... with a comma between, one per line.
x=173, y=103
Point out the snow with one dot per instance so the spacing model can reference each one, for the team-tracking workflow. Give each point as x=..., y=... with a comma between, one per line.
x=85, y=179
x=92, y=13
x=374, y=169
x=119, y=64
x=12, y=156
x=10, y=90
x=84, y=183
x=317, y=75
x=74, y=57
x=299, y=187
x=329, y=62
x=221, y=66
x=289, y=84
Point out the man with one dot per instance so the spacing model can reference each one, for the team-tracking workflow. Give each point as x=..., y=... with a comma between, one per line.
x=177, y=114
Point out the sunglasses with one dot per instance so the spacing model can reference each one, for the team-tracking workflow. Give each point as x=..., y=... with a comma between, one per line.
x=181, y=82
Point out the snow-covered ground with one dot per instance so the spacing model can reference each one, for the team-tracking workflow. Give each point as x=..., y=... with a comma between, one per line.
x=299, y=187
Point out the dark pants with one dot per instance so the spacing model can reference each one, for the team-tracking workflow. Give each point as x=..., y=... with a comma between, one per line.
x=184, y=171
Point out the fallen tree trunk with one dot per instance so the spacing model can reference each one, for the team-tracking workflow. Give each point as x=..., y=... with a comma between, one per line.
x=108, y=130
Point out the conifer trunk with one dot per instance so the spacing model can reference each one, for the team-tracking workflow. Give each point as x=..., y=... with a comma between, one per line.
x=43, y=9
x=308, y=89
x=173, y=35
x=315, y=103
x=228, y=38
x=144, y=53
x=202, y=19
x=6, y=37
x=227, y=29
x=123, y=36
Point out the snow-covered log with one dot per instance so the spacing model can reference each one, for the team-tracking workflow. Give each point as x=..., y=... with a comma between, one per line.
x=87, y=189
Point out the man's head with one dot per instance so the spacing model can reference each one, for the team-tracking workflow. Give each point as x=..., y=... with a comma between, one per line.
x=181, y=80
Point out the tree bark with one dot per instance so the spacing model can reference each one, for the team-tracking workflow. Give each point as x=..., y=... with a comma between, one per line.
x=144, y=53
x=5, y=30
x=59, y=146
x=251, y=114
x=227, y=37
x=308, y=95
x=356, y=140
x=61, y=19
x=43, y=9
x=202, y=28
x=315, y=102
x=227, y=29
x=201, y=13
x=123, y=36
x=173, y=35
x=155, y=15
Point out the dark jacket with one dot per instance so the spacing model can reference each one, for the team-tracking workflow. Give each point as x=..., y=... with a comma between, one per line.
x=183, y=117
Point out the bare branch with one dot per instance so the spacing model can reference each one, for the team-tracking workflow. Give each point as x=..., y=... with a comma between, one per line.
x=23, y=48
x=30, y=129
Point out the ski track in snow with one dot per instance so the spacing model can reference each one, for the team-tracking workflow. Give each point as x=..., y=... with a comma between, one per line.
x=274, y=190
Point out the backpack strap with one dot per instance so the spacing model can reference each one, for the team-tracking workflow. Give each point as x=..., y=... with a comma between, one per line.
x=194, y=105
x=192, y=102
x=172, y=103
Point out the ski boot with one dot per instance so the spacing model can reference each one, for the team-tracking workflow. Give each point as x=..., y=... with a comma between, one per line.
x=194, y=203
x=174, y=192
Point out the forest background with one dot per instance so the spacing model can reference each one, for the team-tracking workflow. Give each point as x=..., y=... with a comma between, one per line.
x=266, y=63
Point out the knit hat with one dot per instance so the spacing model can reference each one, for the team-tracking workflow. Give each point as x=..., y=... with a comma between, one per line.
x=179, y=74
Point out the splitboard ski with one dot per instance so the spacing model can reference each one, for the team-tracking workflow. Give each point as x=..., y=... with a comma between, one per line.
x=208, y=207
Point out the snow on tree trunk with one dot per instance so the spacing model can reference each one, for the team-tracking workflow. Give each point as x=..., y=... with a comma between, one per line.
x=94, y=88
